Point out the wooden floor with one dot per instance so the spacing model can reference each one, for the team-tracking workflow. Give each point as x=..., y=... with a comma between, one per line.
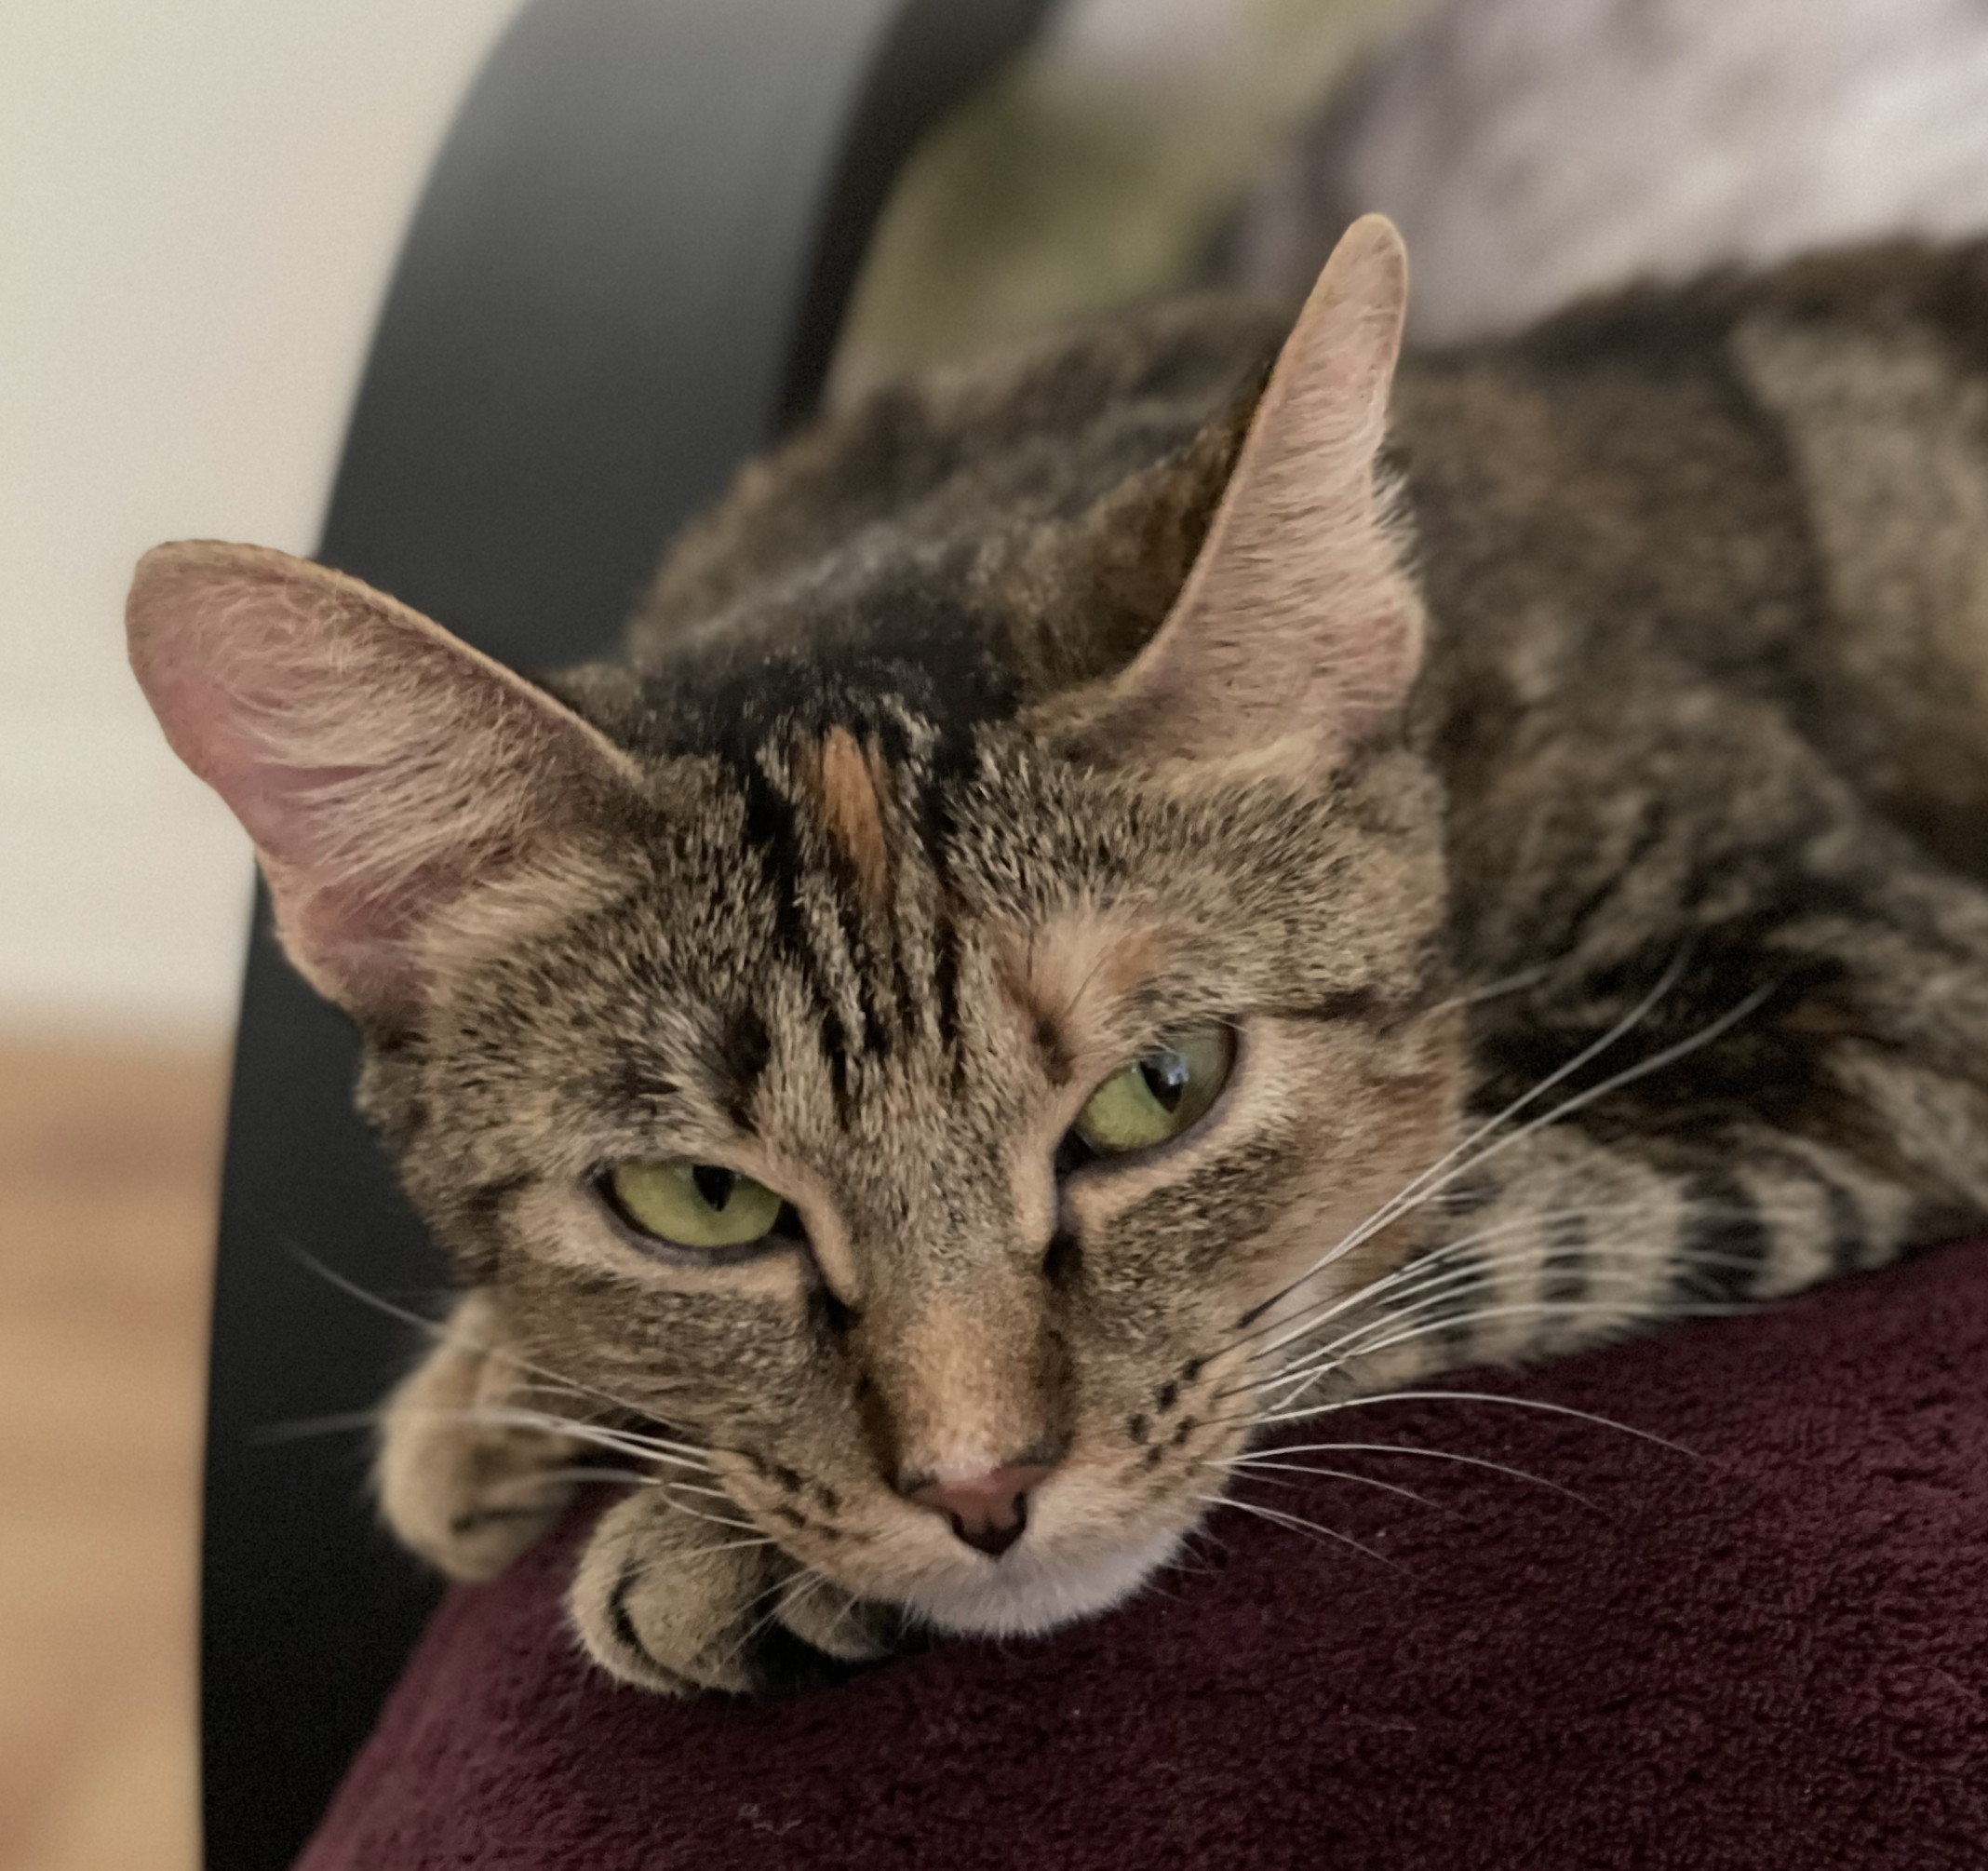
x=107, y=1163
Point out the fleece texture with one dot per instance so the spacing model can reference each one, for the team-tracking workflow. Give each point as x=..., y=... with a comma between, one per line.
x=1770, y=1651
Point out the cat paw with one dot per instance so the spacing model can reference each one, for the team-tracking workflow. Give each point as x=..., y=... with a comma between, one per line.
x=662, y=1602
x=462, y=1488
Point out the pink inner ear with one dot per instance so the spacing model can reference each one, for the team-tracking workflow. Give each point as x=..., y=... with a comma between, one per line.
x=211, y=731
x=1296, y=619
x=347, y=923
x=382, y=767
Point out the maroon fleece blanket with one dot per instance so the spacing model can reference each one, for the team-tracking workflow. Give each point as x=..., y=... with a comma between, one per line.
x=1771, y=1653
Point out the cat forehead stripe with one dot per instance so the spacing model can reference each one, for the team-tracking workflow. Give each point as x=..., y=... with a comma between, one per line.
x=845, y=782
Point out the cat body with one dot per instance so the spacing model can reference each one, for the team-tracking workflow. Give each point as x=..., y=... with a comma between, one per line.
x=1587, y=927
x=1534, y=151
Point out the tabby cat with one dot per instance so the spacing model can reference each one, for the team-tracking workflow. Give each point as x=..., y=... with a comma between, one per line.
x=1127, y=896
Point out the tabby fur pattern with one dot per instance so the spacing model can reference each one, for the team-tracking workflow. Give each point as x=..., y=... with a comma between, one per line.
x=1601, y=911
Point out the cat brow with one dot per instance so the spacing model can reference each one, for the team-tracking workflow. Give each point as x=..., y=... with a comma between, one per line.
x=1038, y=981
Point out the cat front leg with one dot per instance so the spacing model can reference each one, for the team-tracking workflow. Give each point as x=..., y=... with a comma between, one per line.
x=676, y=1600
x=461, y=1479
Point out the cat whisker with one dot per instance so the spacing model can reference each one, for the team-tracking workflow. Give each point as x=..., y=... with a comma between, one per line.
x=1268, y=1458
x=1297, y=1523
x=1538, y=1404
x=1438, y=1267
x=842, y=1616
x=540, y=1477
x=1436, y=1308
x=1630, y=1316
x=1335, y=1473
x=782, y=1592
x=1493, y=990
x=1655, y=1062
x=514, y=1416
x=301, y=1429
x=1430, y=1282
x=1429, y=1272
x=438, y=1329
x=557, y=1391
x=809, y=1586
x=406, y=1315
x=1641, y=1210
x=709, y=1519
x=1643, y=1068
x=1429, y=1265
x=1191, y=1543
x=1460, y=1153
x=658, y=1444
x=627, y=1442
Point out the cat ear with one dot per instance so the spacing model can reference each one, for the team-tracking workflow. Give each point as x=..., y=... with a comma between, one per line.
x=382, y=768
x=1296, y=619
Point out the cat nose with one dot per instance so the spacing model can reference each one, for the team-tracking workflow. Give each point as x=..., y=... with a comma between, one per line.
x=989, y=1511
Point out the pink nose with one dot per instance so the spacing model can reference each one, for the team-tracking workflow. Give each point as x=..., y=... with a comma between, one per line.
x=990, y=1512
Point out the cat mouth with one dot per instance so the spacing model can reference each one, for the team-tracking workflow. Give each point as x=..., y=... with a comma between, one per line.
x=1033, y=1587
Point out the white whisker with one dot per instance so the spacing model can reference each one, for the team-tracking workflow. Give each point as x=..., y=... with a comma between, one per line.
x=1335, y=1473
x=540, y=1477
x=1268, y=1460
x=1626, y=1314
x=780, y=1593
x=1480, y=1396
x=301, y=1428
x=1431, y=1280
x=438, y=1330
x=1458, y=1158
x=1494, y=991
x=1628, y=1075
x=514, y=1416
x=709, y=1519
x=1296, y=1522
x=1427, y=1265
x=1433, y=1266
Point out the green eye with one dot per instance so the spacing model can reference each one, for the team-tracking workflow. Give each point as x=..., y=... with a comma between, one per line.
x=1160, y=1095
x=694, y=1204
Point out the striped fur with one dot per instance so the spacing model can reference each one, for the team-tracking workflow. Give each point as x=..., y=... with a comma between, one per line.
x=1703, y=696
x=1633, y=966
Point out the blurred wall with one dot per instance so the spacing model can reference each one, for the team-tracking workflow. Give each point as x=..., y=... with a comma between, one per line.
x=199, y=203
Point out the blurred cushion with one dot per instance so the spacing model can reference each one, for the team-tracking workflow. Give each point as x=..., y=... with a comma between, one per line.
x=1772, y=1652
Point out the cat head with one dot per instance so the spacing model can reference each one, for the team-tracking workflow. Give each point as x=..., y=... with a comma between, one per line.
x=931, y=1117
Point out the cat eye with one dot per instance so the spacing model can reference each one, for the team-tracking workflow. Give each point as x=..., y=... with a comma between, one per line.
x=691, y=1204
x=1165, y=1091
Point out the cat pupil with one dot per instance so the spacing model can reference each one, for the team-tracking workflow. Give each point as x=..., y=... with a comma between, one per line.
x=714, y=1184
x=1166, y=1077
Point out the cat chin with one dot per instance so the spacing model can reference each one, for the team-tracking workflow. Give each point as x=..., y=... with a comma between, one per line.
x=1024, y=1593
